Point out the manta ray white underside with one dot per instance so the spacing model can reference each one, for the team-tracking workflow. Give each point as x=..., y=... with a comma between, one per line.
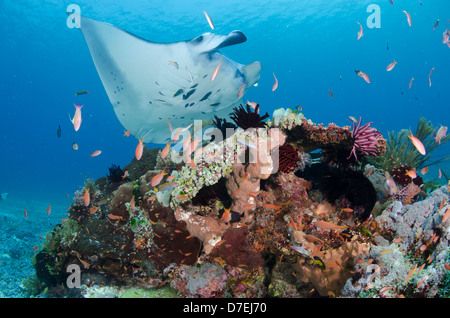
x=148, y=83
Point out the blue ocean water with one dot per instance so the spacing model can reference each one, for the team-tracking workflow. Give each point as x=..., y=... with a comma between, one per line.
x=310, y=45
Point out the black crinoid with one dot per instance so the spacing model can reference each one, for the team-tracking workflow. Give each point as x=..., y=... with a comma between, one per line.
x=221, y=124
x=115, y=173
x=248, y=118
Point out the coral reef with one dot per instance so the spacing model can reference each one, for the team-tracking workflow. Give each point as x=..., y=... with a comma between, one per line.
x=409, y=255
x=253, y=216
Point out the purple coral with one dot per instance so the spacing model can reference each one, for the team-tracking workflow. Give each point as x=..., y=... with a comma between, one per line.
x=365, y=139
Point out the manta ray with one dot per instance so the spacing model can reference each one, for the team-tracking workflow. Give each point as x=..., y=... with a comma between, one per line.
x=149, y=83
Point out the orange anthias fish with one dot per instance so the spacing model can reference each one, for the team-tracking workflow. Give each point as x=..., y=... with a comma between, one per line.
x=418, y=144
x=429, y=77
x=216, y=71
x=165, y=151
x=439, y=173
x=363, y=75
x=177, y=134
x=125, y=174
x=410, y=83
x=411, y=272
x=139, y=149
x=331, y=93
x=424, y=170
x=96, y=153
x=49, y=209
x=411, y=173
x=275, y=85
x=329, y=226
x=391, y=66
x=157, y=179
x=408, y=17
x=25, y=213
x=132, y=204
x=126, y=133
x=87, y=197
x=441, y=133
x=360, y=33
x=114, y=217
x=170, y=126
x=76, y=120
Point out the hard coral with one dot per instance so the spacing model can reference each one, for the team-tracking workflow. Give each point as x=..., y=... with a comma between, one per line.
x=248, y=119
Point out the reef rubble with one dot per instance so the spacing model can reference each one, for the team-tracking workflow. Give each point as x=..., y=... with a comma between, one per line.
x=249, y=215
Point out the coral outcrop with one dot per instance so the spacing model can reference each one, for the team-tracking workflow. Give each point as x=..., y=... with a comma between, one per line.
x=254, y=215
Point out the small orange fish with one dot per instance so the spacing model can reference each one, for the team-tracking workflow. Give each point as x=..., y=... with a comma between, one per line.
x=226, y=216
x=170, y=126
x=360, y=33
x=347, y=210
x=216, y=71
x=446, y=215
x=165, y=151
x=440, y=173
x=385, y=251
x=49, y=209
x=363, y=76
x=93, y=209
x=85, y=264
x=391, y=66
x=114, y=217
x=442, y=204
x=35, y=248
x=252, y=104
x=96, y=153
x=411, y=173
x=126, y=133
x=329, y=226
x=139, y=149
x=271, y=206
x=25, y=213
x=87, y=197
x=408, y=17
x=331, y=93
x=418, y=144
x=157, y=179
x=125, y=174
x=410, y=83
x=76, y=120
x=181, y=197
x=170, y=178
x=424, y=170
x=275, y=85
x=411, y=272
x=429, y=77
x=177, y=134
x=312, y=238
x=190, y=162
x=447, y=267
x=132, y=204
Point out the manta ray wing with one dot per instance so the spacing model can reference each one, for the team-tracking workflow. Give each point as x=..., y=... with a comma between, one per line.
x=148, y=83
